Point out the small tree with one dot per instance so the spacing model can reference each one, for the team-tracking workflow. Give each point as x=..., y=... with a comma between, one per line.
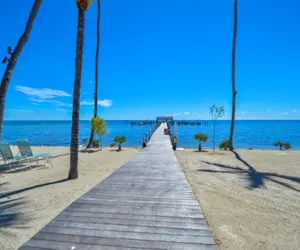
x=278, y=144
x=99, y=127
x=281, y=145
x=225, y=144
x=84, y=141
x=216, y=113
x=200, y=137
x=120, y=140
x=287, y=146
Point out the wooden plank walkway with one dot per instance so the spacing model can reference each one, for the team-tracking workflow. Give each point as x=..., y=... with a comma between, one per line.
x=146, y=204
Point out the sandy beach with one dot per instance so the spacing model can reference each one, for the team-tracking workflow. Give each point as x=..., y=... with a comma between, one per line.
x=29, y=199
x=251, y=200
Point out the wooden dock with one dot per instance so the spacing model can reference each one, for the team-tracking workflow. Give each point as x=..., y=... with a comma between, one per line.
x=146, y=204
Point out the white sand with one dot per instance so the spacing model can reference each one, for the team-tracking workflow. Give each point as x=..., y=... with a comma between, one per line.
x=263, y=217
x=37, y=206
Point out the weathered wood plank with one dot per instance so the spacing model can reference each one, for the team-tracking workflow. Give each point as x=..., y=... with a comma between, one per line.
x=129, y=235
x=125, y=243
x=146, y=204
x=199, y=225
x=130, y=228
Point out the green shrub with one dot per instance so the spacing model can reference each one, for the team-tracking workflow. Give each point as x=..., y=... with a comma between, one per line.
x=120, y=140
x=84, y=141
x=99, y=127
x=113, y=144
x=216, y=113
x=287, y=146
x=281, y=145
x=200, y=137
x=225, y=144
x=96, y=143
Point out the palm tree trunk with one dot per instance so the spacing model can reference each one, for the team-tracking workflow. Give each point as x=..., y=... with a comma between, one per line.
x=73, y=172
x=214, y=133
x=234, y=92
x=96, y=73
x=199, y=148
x=14, y=57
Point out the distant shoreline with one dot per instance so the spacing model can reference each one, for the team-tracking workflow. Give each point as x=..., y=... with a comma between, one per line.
x=178, y=149
x=153, y=120
x=258, y=134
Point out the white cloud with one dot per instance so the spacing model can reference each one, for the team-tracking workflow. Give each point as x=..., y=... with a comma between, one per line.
x=243, y=113
x=186, y=113
x=268, y=110
x=58, y=103
x=21, y=110
x=36, y=100
x=44, y=93
x=177, y=114
x=294, y=111
x=104, y=103
x=286, y=113
x=63, y=110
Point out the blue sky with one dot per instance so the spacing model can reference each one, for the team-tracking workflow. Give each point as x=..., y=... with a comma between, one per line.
x=157, y=58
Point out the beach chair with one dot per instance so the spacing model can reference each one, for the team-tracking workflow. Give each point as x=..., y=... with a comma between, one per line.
x=26, y=152
x=8, y=156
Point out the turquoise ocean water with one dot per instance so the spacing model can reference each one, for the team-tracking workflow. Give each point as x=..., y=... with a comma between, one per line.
x=255, y=134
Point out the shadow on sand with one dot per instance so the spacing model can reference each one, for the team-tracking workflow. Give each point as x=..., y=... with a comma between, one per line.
x=8, y=194
x=89, y=151
x=11, y=208
x=256, y=178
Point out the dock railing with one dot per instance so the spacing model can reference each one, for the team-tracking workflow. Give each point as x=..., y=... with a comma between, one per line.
x=149, y=134
x=173, y=137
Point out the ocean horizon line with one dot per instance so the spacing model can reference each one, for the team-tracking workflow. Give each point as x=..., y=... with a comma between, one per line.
x=154, y=120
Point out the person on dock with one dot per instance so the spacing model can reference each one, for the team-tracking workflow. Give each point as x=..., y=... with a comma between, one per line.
x=174, y=142
x=144, y=142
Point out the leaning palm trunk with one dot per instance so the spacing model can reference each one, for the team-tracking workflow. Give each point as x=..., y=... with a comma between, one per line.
x=234, y=92
x=14, y=57
x=73, y=173
x=96, y=73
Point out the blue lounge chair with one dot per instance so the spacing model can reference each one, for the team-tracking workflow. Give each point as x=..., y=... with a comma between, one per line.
x=26, y=152
x=8, y=156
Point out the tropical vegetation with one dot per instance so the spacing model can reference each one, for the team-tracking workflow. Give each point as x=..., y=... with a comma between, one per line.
x=282, y=145
x=119, y=140
x=216, y=113
x=96, y=72
x=234, y=92
x=12, y=58
x=99, y=127
x=200, y=137
x=82, y=6
x=225, y=145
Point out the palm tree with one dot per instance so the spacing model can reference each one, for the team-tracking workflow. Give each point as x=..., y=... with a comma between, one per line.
x=96, y=73
x=120, y=140
x=200, y=137
x=234, y=92
x=14, y=55
x=82, y=6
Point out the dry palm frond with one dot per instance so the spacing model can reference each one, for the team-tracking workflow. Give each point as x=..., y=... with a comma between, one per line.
x=84, y=4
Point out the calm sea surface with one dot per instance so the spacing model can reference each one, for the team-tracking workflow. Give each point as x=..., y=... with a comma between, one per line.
x=255, y=134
